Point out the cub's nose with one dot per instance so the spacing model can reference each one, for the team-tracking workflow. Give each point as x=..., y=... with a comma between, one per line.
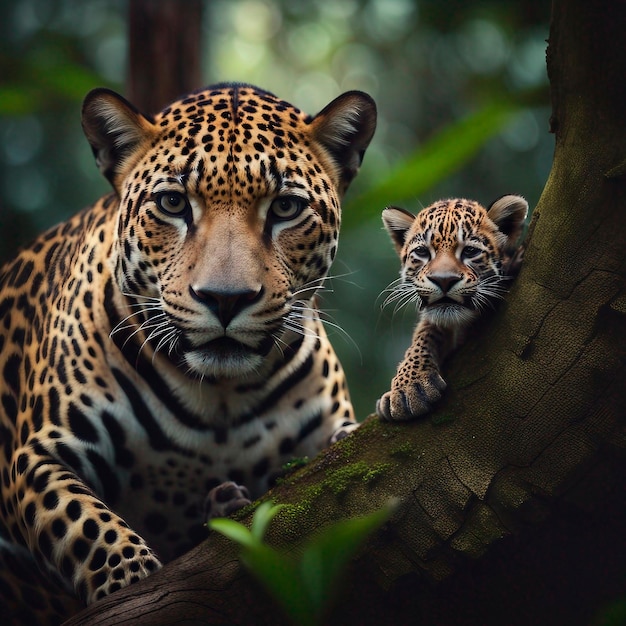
x=226, y=304
x=445, y=282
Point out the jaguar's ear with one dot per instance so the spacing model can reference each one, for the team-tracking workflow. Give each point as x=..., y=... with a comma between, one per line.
x=345, y=127
x=114, y=128
x=398, y=222
x=508, y=214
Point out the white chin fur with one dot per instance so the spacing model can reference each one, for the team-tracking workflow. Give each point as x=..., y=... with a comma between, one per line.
x=449, y=316
x=229, y=366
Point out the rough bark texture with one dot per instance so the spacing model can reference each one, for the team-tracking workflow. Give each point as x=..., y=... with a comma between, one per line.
x=165, y=60
x=511, y=498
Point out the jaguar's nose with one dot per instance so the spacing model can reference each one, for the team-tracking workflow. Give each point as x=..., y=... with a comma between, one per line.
x=226, y=304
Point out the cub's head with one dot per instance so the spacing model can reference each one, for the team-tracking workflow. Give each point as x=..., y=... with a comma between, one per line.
x=456, y=256
x=229, y=211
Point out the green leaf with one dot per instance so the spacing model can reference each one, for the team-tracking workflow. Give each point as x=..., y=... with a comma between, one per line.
x=435, y=160
x=302, y=588
x=68, y=80
x=329, y=552
x=262, y=517
x=234, y=531
x=278, y=574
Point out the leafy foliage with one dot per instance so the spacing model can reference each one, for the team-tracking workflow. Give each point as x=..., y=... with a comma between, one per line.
x=434, y=161
x=303, y=586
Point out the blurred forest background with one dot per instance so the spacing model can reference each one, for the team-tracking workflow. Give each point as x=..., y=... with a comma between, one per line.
x=463, y=101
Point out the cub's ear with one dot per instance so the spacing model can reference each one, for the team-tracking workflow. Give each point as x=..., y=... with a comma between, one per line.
x=508, y=214
x=345, y=127
x=114, y=128
x=397, y=222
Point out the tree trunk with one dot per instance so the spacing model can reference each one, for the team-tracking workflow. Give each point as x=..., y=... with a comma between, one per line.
x=165, y=39
x=511, y=498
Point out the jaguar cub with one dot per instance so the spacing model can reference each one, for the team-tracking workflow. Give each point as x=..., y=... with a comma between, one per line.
x=164, y=343
x=456, y=259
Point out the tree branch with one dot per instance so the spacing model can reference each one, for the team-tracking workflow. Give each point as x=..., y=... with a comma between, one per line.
x=511, y=498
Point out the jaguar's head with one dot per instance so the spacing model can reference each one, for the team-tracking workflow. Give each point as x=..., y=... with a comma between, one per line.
x=229, y=212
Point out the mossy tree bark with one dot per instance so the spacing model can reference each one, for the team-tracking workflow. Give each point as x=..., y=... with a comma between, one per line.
x=511, y=496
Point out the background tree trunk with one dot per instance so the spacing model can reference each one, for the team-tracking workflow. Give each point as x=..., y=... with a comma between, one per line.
x=511, y=497
x=165, y=39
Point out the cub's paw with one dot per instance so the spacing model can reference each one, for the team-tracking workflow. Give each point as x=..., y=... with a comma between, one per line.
x=411, y=397
x=225, y=499
x=343, y=431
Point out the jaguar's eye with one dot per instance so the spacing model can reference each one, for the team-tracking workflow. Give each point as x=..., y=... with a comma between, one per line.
x=287, y=207
x=470, y=252
x=173, y=203
x=421, y=253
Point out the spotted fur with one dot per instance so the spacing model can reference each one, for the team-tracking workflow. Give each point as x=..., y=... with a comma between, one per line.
x=456, y=258
x=164, y=344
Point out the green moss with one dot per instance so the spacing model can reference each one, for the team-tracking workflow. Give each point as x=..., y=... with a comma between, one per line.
x=293, y=513
x=339, y=481
x=345, y=446
x=404, y=450
x=242, y=513
x=312, y=492
x=376, y=471
x=295, y=464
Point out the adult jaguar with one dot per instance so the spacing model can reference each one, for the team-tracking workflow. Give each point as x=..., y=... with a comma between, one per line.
x=456, y=259
x=164, y=344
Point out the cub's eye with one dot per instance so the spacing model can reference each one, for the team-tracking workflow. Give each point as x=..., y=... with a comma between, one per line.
x=470, y=252
x=172, y=203
x=421, y=253
x=287, y=207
